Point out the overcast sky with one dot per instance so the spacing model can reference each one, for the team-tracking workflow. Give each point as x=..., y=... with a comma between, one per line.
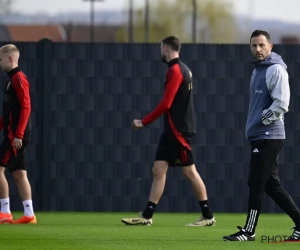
x=262, y=9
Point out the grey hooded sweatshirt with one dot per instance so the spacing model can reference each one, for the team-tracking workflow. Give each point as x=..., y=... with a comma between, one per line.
x=269, y=99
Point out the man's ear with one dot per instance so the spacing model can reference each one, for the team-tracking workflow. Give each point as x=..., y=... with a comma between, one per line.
x=271, y=46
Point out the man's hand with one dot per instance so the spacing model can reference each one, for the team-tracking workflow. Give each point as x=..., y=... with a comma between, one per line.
x=17, y=143
x=136, y=124
x=267, y=117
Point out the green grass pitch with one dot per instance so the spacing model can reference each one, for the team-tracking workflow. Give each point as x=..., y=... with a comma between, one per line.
x=56, y=231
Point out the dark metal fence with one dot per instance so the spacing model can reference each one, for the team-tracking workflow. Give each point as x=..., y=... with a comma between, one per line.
x=85, y=156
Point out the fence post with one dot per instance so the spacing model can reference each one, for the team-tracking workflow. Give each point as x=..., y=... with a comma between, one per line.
x=45, y=51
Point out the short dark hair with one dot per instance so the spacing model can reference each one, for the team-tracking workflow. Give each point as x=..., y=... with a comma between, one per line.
x=173, y=42
x=261, y=32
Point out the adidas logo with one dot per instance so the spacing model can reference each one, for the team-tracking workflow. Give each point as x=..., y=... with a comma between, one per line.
x=177, y=161
x=255, y=150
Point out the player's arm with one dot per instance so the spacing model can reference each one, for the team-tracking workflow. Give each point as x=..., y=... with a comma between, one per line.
x=174, y=79
x=21, y=86
x=1, y=123
x=277, y=80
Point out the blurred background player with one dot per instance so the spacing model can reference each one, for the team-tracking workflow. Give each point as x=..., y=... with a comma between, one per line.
x=174, y=148
x=15, y=122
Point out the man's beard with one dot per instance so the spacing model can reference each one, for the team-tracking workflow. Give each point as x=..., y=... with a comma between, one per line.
x=164, y=58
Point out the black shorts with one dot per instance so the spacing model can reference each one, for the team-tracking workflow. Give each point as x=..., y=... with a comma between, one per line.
x=11, y=158
x=176, y=150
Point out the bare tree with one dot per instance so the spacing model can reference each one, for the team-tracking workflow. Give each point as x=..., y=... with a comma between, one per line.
x=215, y=21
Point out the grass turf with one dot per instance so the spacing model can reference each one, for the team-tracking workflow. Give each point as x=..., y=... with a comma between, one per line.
x=106, y=231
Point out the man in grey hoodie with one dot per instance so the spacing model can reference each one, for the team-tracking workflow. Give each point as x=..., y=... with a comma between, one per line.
x=265, y=131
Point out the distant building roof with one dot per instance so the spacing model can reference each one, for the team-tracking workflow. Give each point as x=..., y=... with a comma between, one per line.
x=81, y=33
x=34, y=33
x=290, y=40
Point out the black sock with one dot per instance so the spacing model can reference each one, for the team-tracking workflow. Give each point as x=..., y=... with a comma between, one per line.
x=206, y=212
x=148, y=213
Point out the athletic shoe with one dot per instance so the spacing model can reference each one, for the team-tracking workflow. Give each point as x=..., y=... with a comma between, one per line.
x=5, y=218
x=203, y=222
x=25, y=220
x=295, y=236
x=140, y=220
x=242, y=235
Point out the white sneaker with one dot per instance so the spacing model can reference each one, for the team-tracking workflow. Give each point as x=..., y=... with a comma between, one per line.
x=140, y=220
x=203, y=222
